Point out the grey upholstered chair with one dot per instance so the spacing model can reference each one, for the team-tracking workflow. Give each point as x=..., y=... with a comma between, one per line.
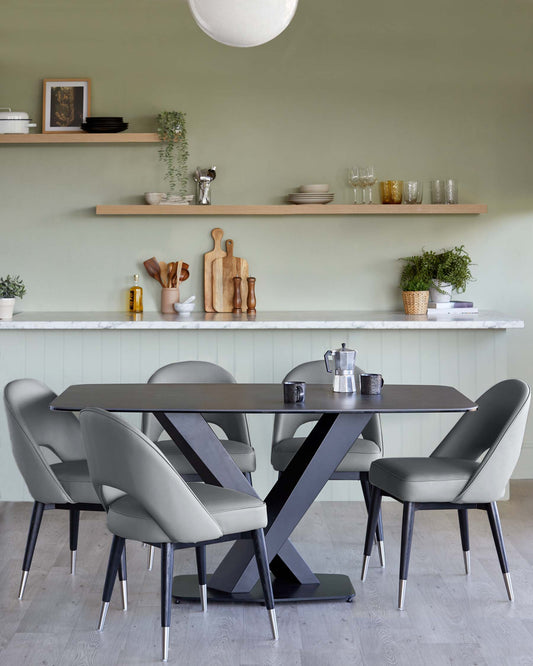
x=468, y=470
x=235, y=426
x=61, y=485
x=147, y=500
x=355, y=465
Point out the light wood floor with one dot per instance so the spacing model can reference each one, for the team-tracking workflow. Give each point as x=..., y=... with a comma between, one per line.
x=449, y=618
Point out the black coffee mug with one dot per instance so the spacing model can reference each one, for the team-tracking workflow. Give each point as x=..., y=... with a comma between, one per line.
x=371, y=384
x=293, y=391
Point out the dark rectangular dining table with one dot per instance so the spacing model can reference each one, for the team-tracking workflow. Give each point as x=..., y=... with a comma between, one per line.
x=341, y=418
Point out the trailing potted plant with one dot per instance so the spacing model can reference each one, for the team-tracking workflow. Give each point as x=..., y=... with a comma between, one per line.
x=449, y=271
x=10, y=288
x=415, y=283
x=174, y=150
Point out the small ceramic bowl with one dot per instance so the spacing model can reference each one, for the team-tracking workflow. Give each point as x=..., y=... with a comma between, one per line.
x=153, y=198
x=184, y=308
x=314, y=189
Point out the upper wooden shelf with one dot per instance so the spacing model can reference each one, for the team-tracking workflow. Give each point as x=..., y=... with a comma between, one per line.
x=293, y=209
x=80, y=137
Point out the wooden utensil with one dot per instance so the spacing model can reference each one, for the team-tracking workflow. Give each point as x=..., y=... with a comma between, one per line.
x=209, y=257
x=178, y=271
x=224, y=270
x=164, y=273
x=153, y=269
x=172, y=270
x=184, y=272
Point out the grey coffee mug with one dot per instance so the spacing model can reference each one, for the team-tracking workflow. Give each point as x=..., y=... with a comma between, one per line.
x=371, y=384
x=293, y=391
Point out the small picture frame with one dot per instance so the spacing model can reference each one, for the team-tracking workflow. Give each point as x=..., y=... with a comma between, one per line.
x=66, y=104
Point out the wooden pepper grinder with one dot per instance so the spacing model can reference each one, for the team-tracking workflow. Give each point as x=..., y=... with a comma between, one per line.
x=237, y=298
x=251, y=295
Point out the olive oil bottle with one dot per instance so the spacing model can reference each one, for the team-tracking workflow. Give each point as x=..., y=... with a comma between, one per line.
x=135, y=296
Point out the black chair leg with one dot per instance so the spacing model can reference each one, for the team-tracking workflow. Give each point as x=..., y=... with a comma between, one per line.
x=33, y=533
x=115, y=557
x=371, y=526
x=405, y=553
x=123, y=578
x=465, y=538
x=74, y=528
x=261, y=556
x=167, y=572
x=202, y=575
x=366, y=488
x=496, y=528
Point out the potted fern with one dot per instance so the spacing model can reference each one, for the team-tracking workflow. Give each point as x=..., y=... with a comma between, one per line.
x=449, y=271
x=415, y=283
x=174, y=150
x=10, y=288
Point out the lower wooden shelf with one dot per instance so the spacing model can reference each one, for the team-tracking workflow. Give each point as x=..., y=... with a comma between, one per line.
x=292, y=209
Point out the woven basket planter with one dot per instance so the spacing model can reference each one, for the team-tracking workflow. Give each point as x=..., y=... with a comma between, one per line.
x=415, y=302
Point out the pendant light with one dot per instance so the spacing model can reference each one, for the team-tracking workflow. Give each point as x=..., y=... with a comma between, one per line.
x=243, y=22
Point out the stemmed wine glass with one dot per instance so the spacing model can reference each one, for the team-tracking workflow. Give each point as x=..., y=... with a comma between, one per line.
x=355, y=180
x=368, y=179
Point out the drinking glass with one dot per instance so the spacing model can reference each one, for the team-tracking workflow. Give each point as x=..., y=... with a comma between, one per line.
x=451, y=194
x=369, y=179
x=437, y=191
x=355, y=180
x=412, y=192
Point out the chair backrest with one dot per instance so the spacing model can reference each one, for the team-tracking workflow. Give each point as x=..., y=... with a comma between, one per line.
x=314, y=372
x=235, y=426
x=123, y=461
x=34, y=427
x=493, y=434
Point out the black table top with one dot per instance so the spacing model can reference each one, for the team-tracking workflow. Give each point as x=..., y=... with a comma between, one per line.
x=258, y=398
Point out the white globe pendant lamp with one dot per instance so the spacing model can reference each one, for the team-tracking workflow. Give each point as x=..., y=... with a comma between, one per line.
x=243, y=23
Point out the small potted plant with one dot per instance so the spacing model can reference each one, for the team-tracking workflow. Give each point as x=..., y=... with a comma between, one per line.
x=449, y=271
x=10, y=288
x=174, y=150
x=415, y=283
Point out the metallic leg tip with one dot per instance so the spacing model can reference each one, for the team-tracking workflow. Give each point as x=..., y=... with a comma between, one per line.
x=273, y=623
x=401, y=594
x=466, y=558
x=508, y=586
x=203, y=597
x=103, y=615
x=22, y=586
x=151, y=550
x=165, y=637
x=124, y=589
x=73, y=562
x=381, y=550
x=366, y=559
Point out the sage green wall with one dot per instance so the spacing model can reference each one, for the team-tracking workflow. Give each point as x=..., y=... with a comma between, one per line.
x=419, y=89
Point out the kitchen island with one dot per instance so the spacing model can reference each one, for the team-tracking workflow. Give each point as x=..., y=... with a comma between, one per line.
x=468, y=352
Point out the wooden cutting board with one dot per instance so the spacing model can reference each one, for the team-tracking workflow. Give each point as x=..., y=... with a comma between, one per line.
x=216, y=253
x=224, y=270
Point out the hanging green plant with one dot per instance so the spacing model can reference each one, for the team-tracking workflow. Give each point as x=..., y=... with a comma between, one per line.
x=174, y=149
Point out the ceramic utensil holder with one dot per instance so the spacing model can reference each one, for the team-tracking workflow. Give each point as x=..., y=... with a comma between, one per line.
x=169, y=296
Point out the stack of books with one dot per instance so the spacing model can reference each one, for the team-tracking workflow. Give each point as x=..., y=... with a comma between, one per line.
x=452, y=308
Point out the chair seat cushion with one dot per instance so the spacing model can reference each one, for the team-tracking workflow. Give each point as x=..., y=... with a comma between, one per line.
x=422, y=479
x=242, y=454
x=358, y=459
x=74, y=477
x=234, y=511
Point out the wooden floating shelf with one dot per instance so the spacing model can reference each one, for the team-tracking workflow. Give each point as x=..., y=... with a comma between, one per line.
x=80, y=137
x=293, y=209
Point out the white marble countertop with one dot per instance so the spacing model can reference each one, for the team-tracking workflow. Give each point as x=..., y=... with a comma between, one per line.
x=260, y=321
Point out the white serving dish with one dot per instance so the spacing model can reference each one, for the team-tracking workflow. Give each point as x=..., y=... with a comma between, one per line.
x=14, y=122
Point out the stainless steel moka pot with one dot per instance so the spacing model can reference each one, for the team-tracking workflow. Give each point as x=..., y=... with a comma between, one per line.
x=344, y=377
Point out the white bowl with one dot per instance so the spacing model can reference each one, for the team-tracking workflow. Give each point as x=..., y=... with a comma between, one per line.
x=318, y=189
x=153, y=198
x=184, y=308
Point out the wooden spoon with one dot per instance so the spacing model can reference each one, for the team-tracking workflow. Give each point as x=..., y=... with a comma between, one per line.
x=153, y=269
x=184, y=274
x=172, y=270
x=164, y=273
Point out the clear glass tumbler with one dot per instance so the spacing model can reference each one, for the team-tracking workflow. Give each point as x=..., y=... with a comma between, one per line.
x=412, y=191
x=438, y=189
x=452, y=191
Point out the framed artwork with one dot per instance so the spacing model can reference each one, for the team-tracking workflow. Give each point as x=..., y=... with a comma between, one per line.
x=66, y=104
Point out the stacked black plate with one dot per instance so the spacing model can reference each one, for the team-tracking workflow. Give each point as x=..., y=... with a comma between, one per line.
x=104, y=124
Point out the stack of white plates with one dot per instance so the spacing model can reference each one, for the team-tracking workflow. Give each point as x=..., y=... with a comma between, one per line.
x=310, y=197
